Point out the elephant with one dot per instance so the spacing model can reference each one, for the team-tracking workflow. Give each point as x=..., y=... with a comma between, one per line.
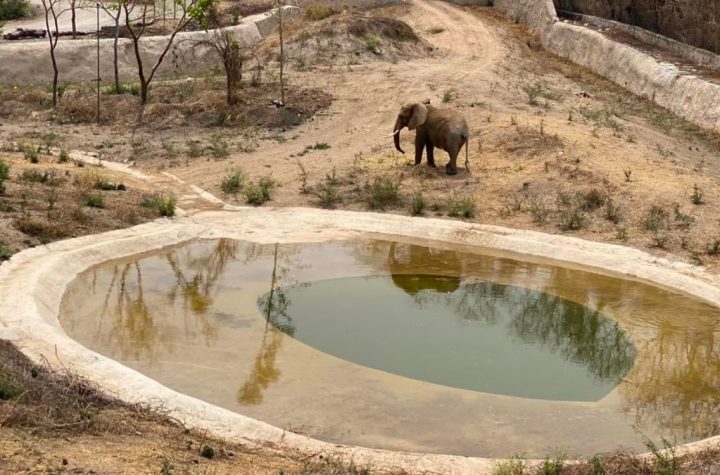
x=442, y=128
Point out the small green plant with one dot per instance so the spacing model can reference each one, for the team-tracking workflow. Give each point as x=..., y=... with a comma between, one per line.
x=462, y=208
x=592, y=200
x=571, y=218
x=612, y=211
x=64, y=156
x=233, y=182
x=126, y=88
x=34, y=176
x=713, y=247
x=660, y=240
x=697, y=195
x=512, y=466
x=194, y=148
x=448, y=95
x=621, y=233
x=328, y=195
x=304, y=176
x=321, y=146
x=373, y=42
x=31, y=153
x=4, y=175
x=682, y=220
x=664, y=459
x=533, y=92
x=5, y=254
x=383, y=192
x=257, y=194
x=552, y=466
x=219, y=147
x=539, y=210
x=163, y=203
x=94, y=200
x=418, y=205
x=628, y=174
x=207, y=452
x=318, y=12
x=656, y=219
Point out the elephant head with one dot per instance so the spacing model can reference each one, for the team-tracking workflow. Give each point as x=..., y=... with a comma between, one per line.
x=411, y=116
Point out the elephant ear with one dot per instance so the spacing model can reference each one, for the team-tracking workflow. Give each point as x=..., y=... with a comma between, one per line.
x=418, y=117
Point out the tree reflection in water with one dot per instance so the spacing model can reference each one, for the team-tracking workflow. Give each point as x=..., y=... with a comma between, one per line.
x=134, y=331
x=277, y=322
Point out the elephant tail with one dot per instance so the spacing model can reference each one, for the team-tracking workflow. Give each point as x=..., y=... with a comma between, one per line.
x=467, y=146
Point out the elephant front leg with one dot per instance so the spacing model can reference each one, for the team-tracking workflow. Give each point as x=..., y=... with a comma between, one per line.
x=419, y=146
x=431, y=154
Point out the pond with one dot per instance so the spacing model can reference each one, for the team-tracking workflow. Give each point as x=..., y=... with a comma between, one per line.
x=405, y=347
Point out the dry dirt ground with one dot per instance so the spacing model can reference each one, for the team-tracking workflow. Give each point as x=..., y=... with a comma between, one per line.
x=553, y=147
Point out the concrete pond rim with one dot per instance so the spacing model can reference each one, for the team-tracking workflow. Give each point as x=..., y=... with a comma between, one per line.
x=42, y=274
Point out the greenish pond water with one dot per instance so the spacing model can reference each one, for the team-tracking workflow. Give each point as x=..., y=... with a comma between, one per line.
x=480, y=336
x=405, y=347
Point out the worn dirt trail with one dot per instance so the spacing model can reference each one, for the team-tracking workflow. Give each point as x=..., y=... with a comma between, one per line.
x=368, y=97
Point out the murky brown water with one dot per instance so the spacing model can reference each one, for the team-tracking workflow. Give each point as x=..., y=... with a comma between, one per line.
x=402, y=347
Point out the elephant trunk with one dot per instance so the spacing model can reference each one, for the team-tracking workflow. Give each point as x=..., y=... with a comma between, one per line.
x=396, y=134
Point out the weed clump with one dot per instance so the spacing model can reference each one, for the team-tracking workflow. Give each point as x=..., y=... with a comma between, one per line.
x=5, y=254
x=318, y=12
x=257, y=194
x=232, y=183
x=656, y=219
x=94, y=200
x=30, y=152
x=418, y=205
x=373, y=42
x=163, y=203
x=383, y=192
x=4, y=175
x=697, y=195
x=462, y=208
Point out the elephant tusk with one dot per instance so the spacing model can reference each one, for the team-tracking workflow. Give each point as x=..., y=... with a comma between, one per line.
x=394, y=133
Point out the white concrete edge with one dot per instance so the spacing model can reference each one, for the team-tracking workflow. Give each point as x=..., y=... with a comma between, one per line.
x=42, y=275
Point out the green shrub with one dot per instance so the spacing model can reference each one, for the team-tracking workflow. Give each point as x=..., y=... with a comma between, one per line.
x=571, y=218
x=448, y=95
x=552, y=466
x=5, y=254
x=612, y=211
x=31, y=153
x=372, y=42
x=511, y=466
x=697, y=195
x=4, y=175
x=207, y=452
x=463, y=208
x=126, y=88
x=656, y=218
x=48, y=178
x=164, y=203
x=713, y=247
x=317, y=12
x=233, y=182
x=383, y=192
x=64, y=156
x=258, y=194
x=592, y=200
x=219, y=146
x=14, y=9
x=94, y=200
x=418, y=205
x=328, y=195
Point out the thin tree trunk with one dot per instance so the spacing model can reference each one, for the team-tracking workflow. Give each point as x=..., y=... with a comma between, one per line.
x=72, y=19
x=282, y=53
x=115, y=51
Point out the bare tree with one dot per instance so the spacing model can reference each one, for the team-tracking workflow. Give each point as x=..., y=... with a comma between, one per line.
x=192, y=10
x=114, y=10
x=52, y=13
x=73, y=7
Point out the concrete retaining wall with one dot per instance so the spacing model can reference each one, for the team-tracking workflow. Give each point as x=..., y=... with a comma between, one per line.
x=29, y=61
x=537, y=14
x=693, y=98
x=697, y=56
